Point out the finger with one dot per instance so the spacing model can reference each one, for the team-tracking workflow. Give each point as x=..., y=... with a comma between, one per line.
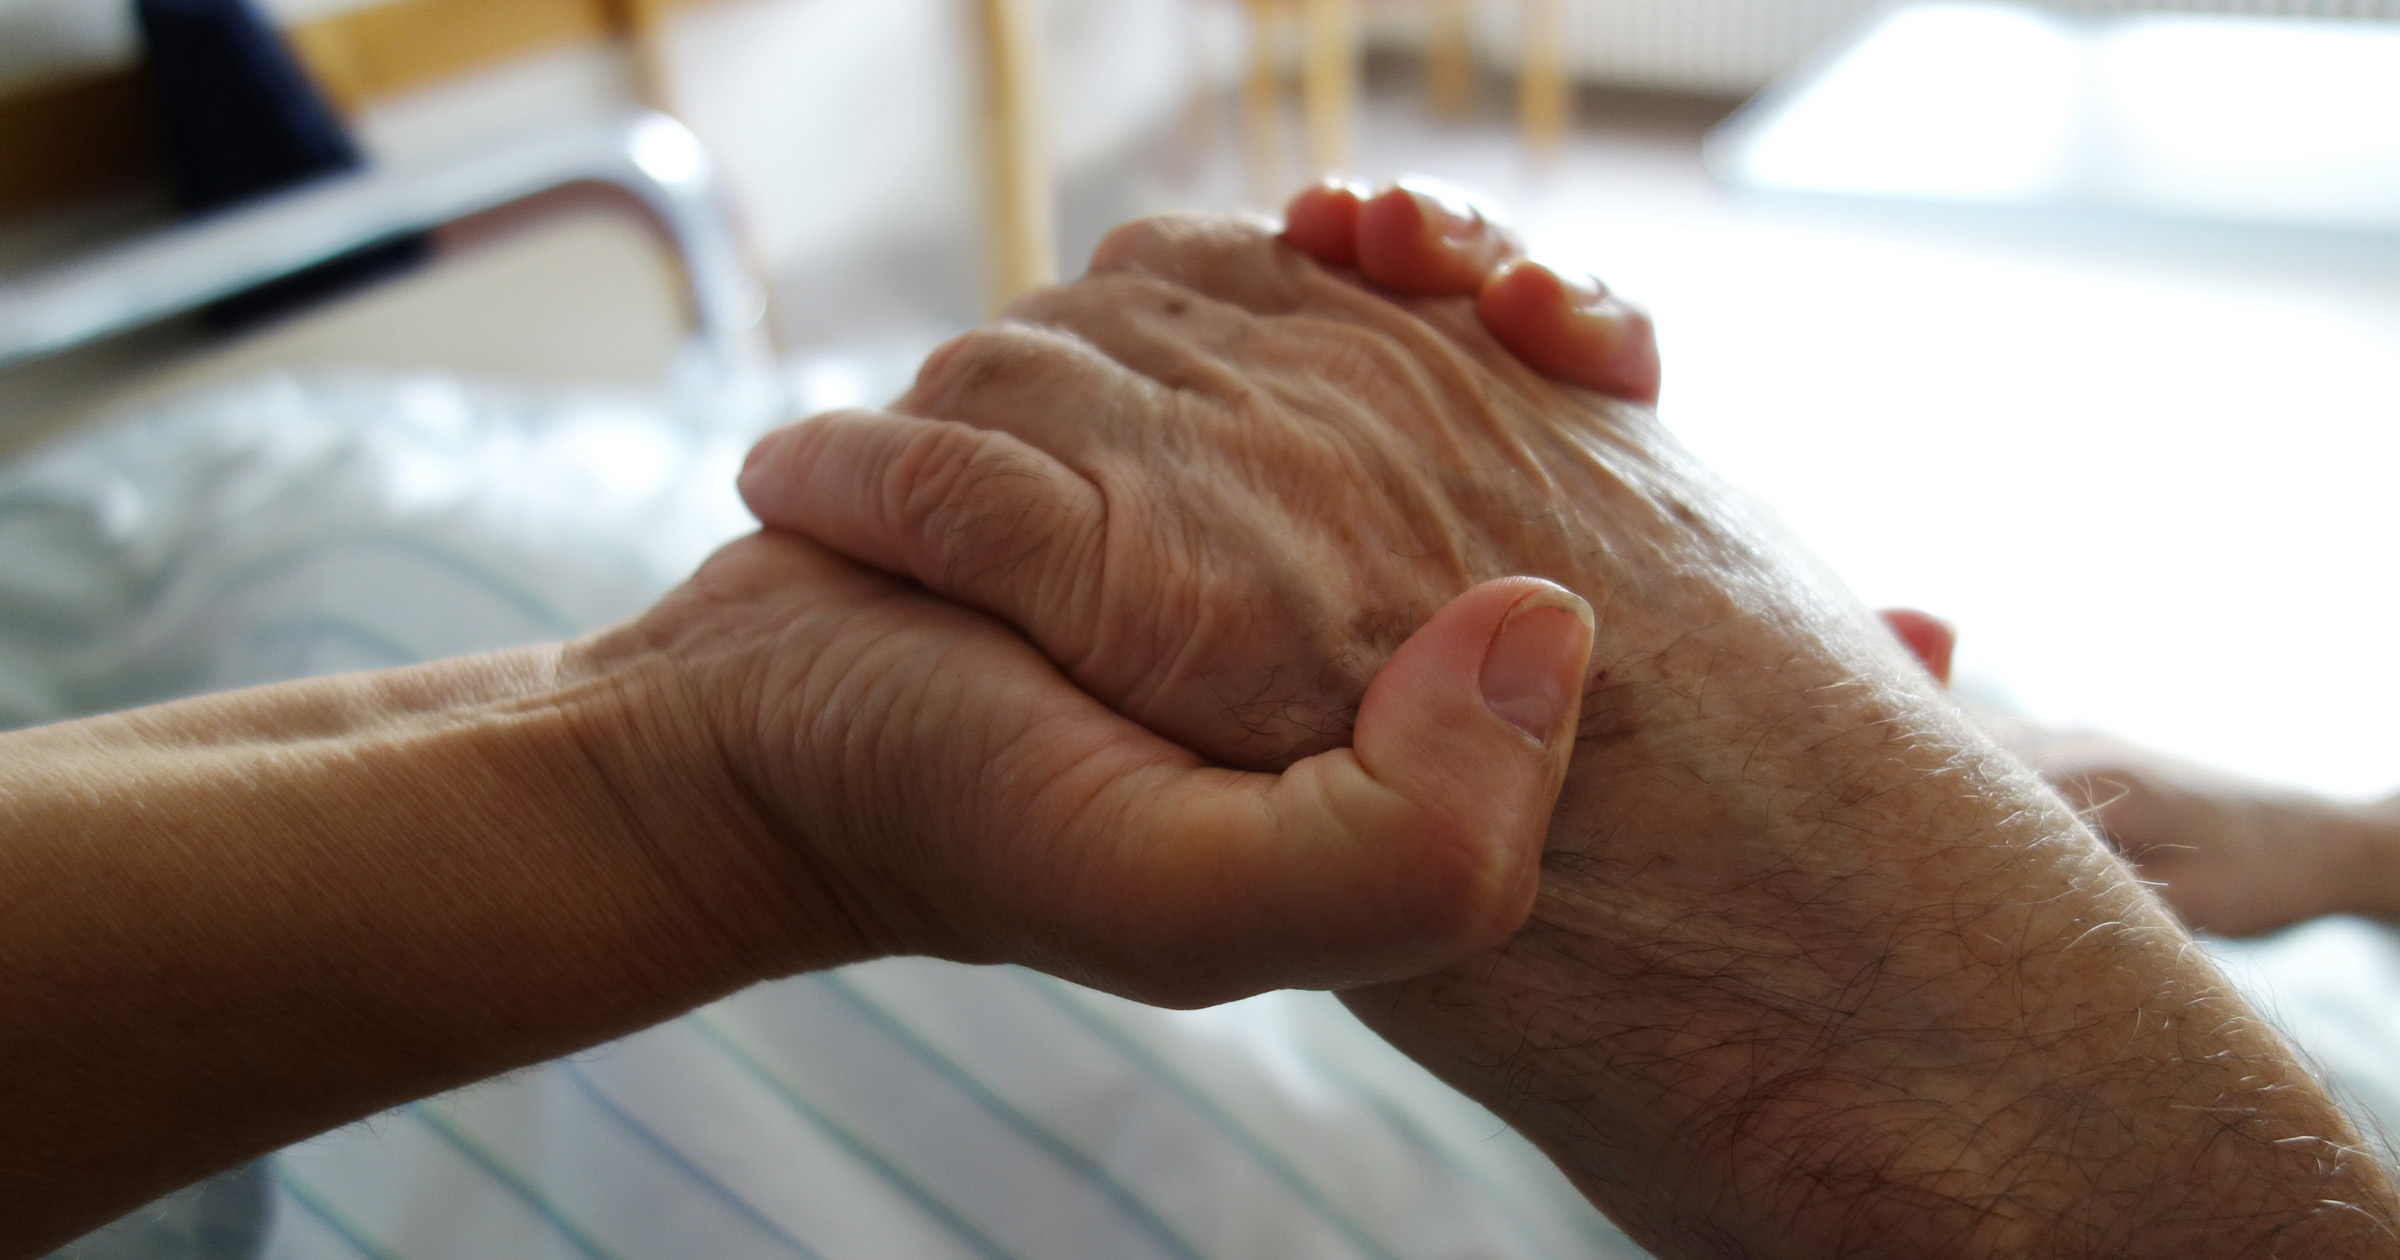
x=973, y=514
x=1158, y=332
x=1041, y=382
x=1194, y=301
x=1238, y=259
x=1322, y=221
x=1572, y=329
x=1927, y=637
x=1428, y=237
x=1413, y=848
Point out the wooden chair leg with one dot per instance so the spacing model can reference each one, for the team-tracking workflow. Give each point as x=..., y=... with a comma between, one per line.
x=1262, y=100
x=1330, y=86
x=642, y=24
x=1544, y=96
x=1450, y=59
x=1021, y=218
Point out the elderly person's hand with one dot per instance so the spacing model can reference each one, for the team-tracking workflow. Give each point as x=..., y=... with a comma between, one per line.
x=1815, y=969
x=2230, y=855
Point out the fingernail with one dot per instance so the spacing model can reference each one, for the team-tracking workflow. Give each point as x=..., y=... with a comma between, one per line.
x=1604, y=319
x=1344, y=181
x=1534, y=667
x=1453, y=216
x=1584, y=291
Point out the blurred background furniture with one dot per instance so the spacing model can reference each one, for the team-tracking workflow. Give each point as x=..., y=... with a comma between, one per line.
x=1021, y=214
x=647, y=180
x=937, y=115
x=1808, y=336
x=1331, y=45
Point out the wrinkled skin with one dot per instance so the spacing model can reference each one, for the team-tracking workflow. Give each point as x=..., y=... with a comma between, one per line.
x=1248, y=503
x=1813, y=968
x=901, y=775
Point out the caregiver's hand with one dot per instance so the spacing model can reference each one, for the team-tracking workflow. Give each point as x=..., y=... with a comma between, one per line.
x=1815, y=969
x=932, y=785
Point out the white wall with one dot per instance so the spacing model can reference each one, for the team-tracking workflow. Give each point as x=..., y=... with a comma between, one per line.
x=835, y=118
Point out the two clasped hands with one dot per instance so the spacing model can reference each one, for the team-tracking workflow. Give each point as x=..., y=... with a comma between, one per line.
x=1303, y=607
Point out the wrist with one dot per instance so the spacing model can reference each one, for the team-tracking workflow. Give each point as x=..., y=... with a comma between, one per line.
x=1885, y=988
x=650, y=736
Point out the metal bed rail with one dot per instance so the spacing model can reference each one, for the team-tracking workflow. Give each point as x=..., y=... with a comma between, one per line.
x=175, y=270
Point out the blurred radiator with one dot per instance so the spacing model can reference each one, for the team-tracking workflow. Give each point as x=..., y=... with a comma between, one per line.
x=1726, y=46
x=1739, y=46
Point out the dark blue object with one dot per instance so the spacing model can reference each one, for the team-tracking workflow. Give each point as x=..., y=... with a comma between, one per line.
x=238, y=118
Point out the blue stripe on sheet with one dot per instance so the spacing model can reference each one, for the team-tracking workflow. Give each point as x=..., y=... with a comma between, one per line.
x=683, y=1163
x=1023, y=1125
x=1434, y=1149
x=516, y=1183
x=949, y=1217
x=1196, y=1098
x=331, y=1217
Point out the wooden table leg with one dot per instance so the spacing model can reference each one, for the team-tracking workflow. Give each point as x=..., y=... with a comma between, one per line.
x=1544, y=97
x=1329, y=89
x=1021, y=221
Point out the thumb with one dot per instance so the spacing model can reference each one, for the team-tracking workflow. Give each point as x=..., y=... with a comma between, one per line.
x=1416, y=846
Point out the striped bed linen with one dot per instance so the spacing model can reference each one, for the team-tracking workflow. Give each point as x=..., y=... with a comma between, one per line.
x=912, y=1108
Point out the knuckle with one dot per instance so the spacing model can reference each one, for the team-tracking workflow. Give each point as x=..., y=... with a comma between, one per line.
x=1013, y=360
x=968, y=363
x=1473, y=890
x=1138, y=243
x=982, y=503
x=1052, y=312
x=1184, y=244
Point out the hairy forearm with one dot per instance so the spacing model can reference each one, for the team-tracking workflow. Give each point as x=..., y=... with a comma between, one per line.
x=1888, y=998
x=238, y=920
